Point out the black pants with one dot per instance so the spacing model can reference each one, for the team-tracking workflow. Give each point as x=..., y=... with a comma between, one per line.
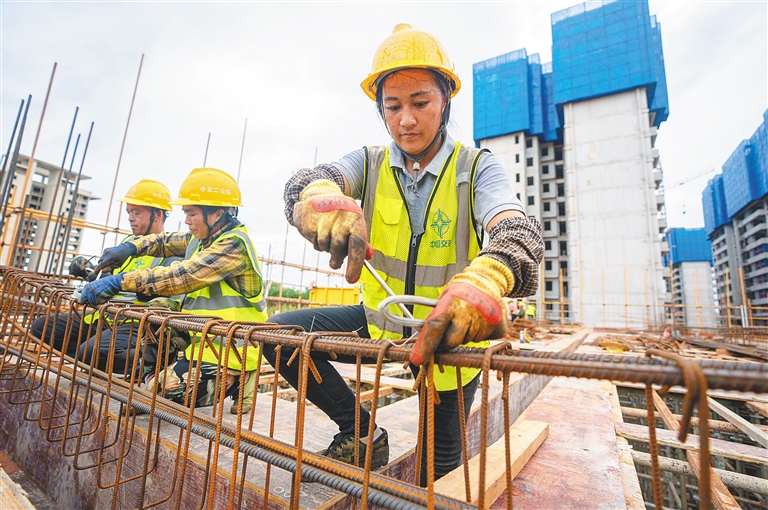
x=101, y=336
x=334, y=397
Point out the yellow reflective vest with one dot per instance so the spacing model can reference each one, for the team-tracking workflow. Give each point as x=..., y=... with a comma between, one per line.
x=419, y=265
x=223, y=300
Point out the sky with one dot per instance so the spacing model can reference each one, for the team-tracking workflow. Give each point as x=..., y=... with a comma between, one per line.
x=293, y=70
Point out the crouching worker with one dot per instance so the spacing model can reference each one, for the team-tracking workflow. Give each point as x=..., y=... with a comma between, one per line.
x=219, y=276
x=147, y=204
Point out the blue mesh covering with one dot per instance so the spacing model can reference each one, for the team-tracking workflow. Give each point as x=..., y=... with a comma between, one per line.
x=552, y=126
x=598, y=48
x=713, y=200
x=689, y=245
x=759, y=144
x=739, y=179
x=501, y=95
x=601, y=51
x=660, y=103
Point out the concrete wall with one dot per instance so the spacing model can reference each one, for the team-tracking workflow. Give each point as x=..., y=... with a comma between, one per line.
x=614, y=250
x=696, y=290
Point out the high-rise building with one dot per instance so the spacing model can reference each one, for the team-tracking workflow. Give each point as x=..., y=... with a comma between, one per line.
x=43, y=198
x=690, y=266
x=736, y=221
x=577, y=135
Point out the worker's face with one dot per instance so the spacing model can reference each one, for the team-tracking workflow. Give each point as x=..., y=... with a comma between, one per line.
x=195, y=220
x=139, y=217
x=413, y=108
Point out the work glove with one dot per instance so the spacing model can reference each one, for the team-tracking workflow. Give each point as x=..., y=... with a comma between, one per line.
x=469, y=309
x=114, y=257
x=164, y=302
x=333, y=223
x=101, y=291
x=80, y=267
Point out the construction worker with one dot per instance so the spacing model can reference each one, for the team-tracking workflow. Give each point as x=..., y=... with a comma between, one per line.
x=147, y=204
x=427, y=201
x=219, y=276
x=530, y=311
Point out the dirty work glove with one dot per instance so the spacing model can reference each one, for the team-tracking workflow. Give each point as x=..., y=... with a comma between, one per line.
x=333, y=223
x=469, y=309
x=80, y=267
x=164, y=302
x=114, y=257
x=101, y=291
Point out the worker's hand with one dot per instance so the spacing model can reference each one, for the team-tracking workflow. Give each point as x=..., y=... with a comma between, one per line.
x=114, y=257
x=333, y=223
x=80, y=267
x=101, y=291
x=469, y=309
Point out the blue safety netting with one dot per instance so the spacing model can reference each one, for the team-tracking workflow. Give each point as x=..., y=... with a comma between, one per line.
x=689, y=245
x=552, y=125
x=713, y=200
x=501, y=95
x=598, y=48
x=660, y=103
x=759, y=144
x=601, y=48
x=739, y=179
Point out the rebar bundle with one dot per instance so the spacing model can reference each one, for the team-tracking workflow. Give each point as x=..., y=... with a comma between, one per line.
x=92, y=413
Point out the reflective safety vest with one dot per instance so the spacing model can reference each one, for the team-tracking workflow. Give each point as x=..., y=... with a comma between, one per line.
x=419, y=265
x=223, y=300
x=530, y=310
x=130, y=265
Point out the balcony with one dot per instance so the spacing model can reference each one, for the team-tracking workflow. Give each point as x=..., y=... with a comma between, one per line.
x=655, y=156
x=662, y=225
x=659, y=201
x=658, y=175
x=664, y=246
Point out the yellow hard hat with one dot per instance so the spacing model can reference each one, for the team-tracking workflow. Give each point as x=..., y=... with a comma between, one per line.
x=209, y=186
x=149, y=193
x=409, y=47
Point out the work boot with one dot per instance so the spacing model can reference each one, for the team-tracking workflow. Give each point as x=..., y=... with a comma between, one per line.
x=248, y=390
x=343, y=448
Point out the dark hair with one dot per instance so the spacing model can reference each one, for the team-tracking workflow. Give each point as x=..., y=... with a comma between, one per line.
x=443, y=83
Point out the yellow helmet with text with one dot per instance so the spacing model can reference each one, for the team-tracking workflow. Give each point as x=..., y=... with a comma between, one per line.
x=409, y=47
x=209, y=187
x=149, y=193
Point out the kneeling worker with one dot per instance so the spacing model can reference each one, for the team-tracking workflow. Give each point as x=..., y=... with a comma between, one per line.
x=220, y=276
x=147, y=204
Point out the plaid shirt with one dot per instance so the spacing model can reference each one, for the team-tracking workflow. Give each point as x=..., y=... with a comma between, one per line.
x=227, y=260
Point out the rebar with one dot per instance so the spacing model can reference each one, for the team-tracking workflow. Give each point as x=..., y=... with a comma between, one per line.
x=93, y=412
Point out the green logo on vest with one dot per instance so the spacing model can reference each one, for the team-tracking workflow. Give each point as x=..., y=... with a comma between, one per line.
x=440, y=223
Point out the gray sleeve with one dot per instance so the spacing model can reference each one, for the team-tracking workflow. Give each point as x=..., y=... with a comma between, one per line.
x=352, y=167
x=493, y=190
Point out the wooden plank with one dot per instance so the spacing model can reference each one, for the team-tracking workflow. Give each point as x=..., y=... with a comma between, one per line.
x=578, y=465
x=633, y=494
x=713, y=424
x=718, y=447
x=348, y=372
x=724, y=394
x=759, y=408
x=525, y=439
x=747, y=428
x=365, y=396
x=721, y=496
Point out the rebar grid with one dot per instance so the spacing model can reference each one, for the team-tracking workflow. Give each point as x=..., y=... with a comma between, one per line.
x=35, y=372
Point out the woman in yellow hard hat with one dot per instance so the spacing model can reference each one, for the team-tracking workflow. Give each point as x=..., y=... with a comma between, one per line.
x=147, y=204
x=426, y=201
x=220, y=276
